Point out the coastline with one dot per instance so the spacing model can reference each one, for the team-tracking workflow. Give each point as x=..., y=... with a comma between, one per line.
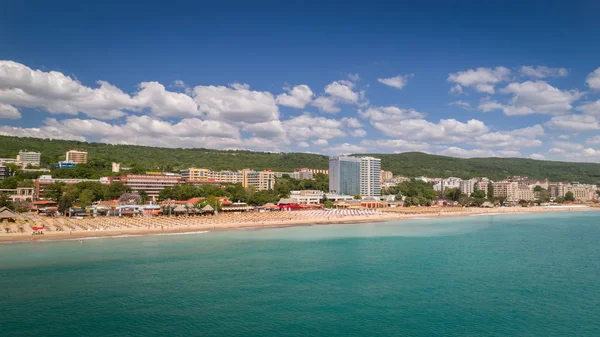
x=185, y=226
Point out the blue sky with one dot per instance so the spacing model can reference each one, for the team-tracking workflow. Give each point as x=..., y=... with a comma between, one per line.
x=464, y=78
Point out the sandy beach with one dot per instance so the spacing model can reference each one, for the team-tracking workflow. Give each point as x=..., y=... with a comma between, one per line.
x=62, y=228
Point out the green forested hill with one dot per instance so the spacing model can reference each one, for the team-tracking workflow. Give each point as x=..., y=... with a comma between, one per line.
x=408, y=164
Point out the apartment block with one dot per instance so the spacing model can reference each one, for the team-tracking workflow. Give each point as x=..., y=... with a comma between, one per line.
x=506, y=189
x=4, y=172
x=78, y=156
x=370, y=176
x=29, y=158
x=344, y=175
x=314, y=171
x=45, y=180
x=152, y=184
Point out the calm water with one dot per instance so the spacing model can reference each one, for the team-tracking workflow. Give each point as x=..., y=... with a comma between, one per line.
x=508, y=275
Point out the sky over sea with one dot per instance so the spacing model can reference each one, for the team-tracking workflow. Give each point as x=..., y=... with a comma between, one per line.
x=458, y=78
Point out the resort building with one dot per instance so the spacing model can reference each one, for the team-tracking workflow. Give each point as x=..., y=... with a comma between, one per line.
x=370, y=176
x=557, y=190
x=447, y=183
x=116, y=167
x=20, y=194
x=309, y=197
x=152, y=184
x=78, y=156
x=45, y=180
x=306, y=175
x=261, y=180
x=3, y=172
x=467, y=187
x=344, y=175
x=313, y=171
x=385, y=176
x=29, y=158
x=8, y=161
x=524, y=192
x=506, y=189
x=583, y=193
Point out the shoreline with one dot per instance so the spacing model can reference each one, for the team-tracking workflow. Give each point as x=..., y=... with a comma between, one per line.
x=185, y=227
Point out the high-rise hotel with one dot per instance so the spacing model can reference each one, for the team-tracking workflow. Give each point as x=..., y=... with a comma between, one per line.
x=354, y=175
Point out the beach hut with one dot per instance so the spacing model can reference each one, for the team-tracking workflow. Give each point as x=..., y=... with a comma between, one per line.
x=7, y=214
x=180, y=209
x=208, y=209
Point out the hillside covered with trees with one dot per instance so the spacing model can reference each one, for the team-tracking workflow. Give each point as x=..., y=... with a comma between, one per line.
x=409, y=164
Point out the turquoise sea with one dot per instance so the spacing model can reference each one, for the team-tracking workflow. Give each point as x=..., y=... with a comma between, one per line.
x=504, y=275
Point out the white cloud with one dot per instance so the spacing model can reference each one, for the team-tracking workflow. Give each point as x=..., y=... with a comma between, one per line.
x=593, y=80
x=305, y=127
x=515, y=139
x=446, y=131
x=539, y=97
x=397, y=82
x=354, y=77
x=320, y=142
x=297, y=97
x=475, y=153
x=593, y=140
x=342, y=91
x=326, y=104
x=590, y=108
x=347, y=148
x=360, y=133
x=9, y=112
x=395, y=145
x=57, y=93
x=389, y=113
x=46, y=132
x=456, y=89
x=537, y=156
x=270, y=129
x=574, y=123
x=461, y=104
x=303, y=144
x=482, y=79
x=236, y=103
x=567, y=146
x=487, y=105
x=351, y=122
x=564, y=137
x=543, y=71
x=154, y=96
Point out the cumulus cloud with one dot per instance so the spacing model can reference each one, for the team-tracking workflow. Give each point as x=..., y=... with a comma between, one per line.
x=236, y=103
x=338, y=92
x=515, y=139
x=574, y=123
x=537, y=156
x=395, y=145
x=347, y=148
x=593, y=80
x=389, y=113
x=351, y=122
x=481, y=79
x=447, y=130
x=326, y=104
x=270, y=129
x=9, y=112
x=487, y=105
x=461, y=104
x=543, y=71
x=354, y=77
x=539, y=97
x=397, y=82
x=359, y=133
x=306, y=126
x=160, y=102
x=455, y=151
x=593, y=140
x=590, y=108
x=58, y=93
x=320, y=142
x=297, y=97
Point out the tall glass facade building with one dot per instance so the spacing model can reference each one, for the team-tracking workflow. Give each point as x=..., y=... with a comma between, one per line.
x=344, y=175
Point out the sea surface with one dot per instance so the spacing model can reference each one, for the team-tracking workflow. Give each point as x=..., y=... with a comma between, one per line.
x=500, y=275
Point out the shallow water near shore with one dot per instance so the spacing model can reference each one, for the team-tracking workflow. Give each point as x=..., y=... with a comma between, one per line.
x=495, y=275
